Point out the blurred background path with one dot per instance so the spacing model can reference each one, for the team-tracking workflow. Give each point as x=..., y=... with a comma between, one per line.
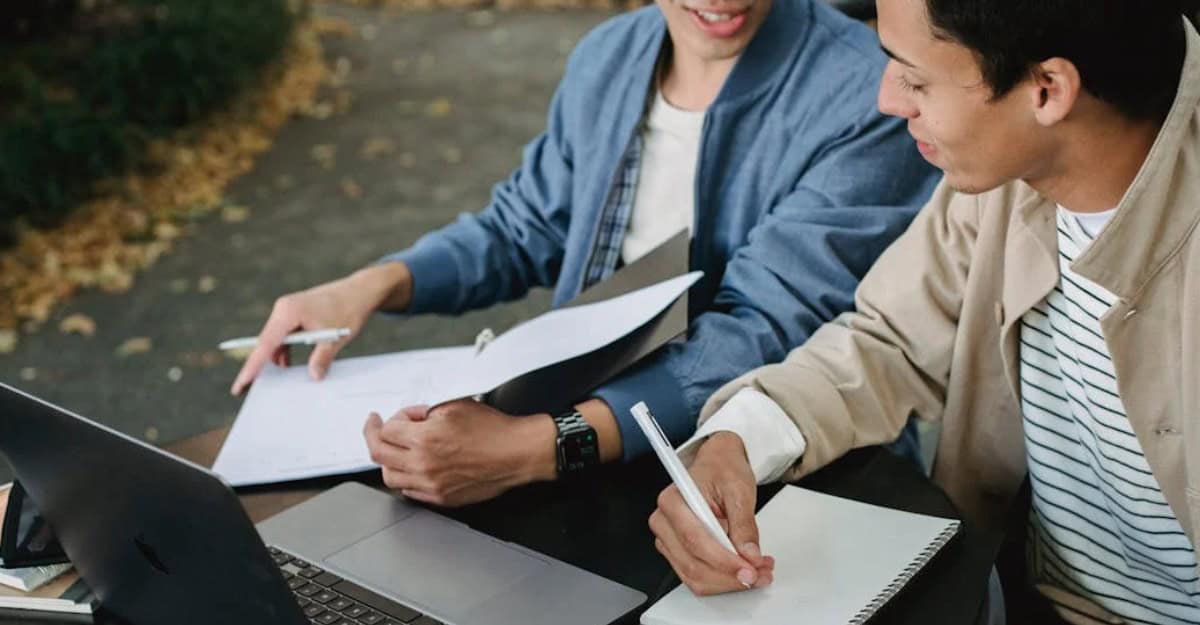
x=440, y=104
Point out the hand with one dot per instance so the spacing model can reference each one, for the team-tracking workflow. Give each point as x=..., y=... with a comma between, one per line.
x=344, y=303
x=724, y=477
x=461, y=452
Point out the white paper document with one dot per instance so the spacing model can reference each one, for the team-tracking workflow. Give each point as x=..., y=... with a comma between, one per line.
x=290, y=427
x=563, y=334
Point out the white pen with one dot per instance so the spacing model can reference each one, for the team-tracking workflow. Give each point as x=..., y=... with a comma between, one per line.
x=311, y=337
x=679, y=475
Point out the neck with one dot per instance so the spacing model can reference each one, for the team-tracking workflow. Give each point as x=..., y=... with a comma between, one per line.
x=692, y=83
x=1097, y=161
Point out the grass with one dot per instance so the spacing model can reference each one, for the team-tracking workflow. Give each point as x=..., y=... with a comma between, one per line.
x=85, y=86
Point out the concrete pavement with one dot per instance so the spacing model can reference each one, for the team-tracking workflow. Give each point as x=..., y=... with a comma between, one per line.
x=441, y=103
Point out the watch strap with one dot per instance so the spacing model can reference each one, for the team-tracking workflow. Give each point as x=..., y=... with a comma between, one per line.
x=570, y=422
x=573, y=428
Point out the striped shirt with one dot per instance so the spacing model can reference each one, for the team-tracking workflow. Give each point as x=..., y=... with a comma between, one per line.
x=1099, y=525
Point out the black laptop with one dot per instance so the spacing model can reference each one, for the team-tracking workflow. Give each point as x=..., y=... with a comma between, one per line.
x=165, y=542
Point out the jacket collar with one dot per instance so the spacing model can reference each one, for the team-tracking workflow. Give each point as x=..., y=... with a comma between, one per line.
x=1031, y=256
x=1154, y=217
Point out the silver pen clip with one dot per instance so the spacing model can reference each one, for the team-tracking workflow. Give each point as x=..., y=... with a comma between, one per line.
x=482, y=340
x=485, y=337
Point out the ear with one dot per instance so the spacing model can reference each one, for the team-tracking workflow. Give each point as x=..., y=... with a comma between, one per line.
x=1057, y=86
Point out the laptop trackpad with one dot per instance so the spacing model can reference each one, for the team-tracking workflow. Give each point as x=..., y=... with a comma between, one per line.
x=432, y=561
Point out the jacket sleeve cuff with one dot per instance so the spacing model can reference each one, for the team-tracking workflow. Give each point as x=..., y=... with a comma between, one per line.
x=772, y=440
x=435, y=278
x=662, y=393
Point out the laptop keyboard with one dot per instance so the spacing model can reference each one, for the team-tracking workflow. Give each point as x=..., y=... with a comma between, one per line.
x=330, y=600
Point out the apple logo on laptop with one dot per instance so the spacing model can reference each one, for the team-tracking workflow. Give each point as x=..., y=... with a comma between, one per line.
x=150, y=554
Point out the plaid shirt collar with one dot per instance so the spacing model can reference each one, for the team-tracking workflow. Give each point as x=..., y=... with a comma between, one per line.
x=614, y=218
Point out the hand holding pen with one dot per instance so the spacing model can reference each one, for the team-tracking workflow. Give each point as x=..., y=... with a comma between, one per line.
x=328, y=316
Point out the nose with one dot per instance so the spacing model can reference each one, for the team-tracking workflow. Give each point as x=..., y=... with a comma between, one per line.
x=893, y=99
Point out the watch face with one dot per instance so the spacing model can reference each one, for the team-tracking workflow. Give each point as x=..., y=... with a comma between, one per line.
x=578, y=451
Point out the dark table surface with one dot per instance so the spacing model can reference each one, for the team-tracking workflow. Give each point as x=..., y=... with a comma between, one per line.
x=599, y=524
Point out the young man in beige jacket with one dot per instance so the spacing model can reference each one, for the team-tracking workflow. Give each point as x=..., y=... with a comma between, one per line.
x=1044, y=306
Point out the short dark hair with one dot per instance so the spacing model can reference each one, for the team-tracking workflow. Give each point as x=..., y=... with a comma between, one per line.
x=1129, y=53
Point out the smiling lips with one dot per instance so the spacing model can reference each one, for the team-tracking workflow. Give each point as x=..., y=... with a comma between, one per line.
x=721, y=23
x=926, y=149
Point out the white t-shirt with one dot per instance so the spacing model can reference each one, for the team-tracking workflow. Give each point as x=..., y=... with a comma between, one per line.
x=664, y=202
x=1092, y=223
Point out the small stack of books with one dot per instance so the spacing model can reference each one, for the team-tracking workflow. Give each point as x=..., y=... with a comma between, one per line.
x=67, y=595
x=53, y=589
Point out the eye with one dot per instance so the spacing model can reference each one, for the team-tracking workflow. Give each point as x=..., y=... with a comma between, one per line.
x=909, y=86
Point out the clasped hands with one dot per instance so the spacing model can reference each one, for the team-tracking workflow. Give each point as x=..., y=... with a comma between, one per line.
x=460, y=452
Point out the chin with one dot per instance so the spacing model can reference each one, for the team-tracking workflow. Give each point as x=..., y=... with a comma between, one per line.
x=970, y=187
x=722, y=50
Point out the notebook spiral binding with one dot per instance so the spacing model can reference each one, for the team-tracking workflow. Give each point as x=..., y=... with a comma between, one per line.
x=905, y=576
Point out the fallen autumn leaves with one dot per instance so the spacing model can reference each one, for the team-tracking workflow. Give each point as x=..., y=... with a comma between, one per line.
x=135, y=220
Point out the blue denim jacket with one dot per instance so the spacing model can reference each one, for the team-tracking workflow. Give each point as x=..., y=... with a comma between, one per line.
x=800, y=184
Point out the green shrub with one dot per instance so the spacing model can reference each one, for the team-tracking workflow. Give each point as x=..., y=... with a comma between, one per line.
x=83, y=86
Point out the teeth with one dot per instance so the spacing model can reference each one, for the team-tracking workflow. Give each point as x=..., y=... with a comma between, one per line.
x=714, y=17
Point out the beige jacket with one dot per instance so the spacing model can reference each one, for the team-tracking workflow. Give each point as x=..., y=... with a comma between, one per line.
x=938, y=322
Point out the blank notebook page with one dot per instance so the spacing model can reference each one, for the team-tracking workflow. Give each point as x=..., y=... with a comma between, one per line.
x=837, y=561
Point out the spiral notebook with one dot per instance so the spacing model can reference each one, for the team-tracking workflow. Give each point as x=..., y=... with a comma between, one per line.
x=837, y=562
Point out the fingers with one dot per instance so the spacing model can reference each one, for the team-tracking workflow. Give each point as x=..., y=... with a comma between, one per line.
x=374, y=423
x=281, y=322
x=282, y=357
x=392, y=460
x=371, y=432
x=401, y=431
x=743, y=528
x=704, y=588
x=322, y=357
x=398, y=432
x=382, y=452
x=700, y=560
x=420, y=412
x=404, y=481
x=697, y=575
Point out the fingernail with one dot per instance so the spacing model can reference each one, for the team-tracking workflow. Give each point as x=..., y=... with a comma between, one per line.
x=751, y=549
x=746, y=577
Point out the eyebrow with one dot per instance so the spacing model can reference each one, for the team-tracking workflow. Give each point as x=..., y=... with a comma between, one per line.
x=896, y=57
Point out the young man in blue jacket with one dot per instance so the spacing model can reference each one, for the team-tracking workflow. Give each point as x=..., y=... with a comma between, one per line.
x=750, y=122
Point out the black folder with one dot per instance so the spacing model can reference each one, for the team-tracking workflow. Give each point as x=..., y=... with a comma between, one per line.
x=557, y=387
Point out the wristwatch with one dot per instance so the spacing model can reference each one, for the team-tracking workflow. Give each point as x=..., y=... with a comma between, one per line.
x=578, y=447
